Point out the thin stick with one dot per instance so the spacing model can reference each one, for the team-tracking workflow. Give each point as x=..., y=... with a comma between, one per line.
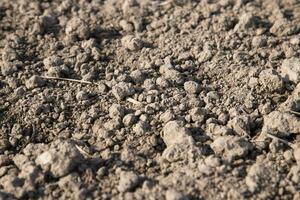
x=131, y=100
x=82, y=151
x=68, y=79
x=294, y=112
x=157, y=3
x=279, y=139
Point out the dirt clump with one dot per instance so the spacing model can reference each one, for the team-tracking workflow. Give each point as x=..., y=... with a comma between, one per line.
x=140, y=99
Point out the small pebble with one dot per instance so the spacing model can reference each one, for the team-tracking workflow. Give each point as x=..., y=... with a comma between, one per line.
x=35, y=82
x=192, y=87
x=82, y=95
x=128, y=181
x=132, y=43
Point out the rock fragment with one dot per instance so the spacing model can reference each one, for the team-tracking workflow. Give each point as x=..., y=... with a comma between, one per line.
x=293, y=102
x=169, y=73
x=126, y=26
x=78, y=27
x=13, y=185
x=172, y=194
x=122, y=90
x=265, y=108
x=240, y=124
x=61, y=71
x=192, y=87
x=113, y=124
x=297, y=155
x=4, y=143
x=128, y=181
x=259, y=41
x=198, y=114
x=211, y=97
x=129, y=119
x=167, y=116
x=218, y=130
x=206, y=54
x=34, y=82
x=25, y=182
x=8, y=68
x=232, y=147
x=4, y=160
x=212, y=161
x=132, y=43
x=61, y=158
x=49, y=23
x=257, y=177
x=180, y=145
x=208, y=165
x=20, y=160
x=290, y=69
x=270, y=80
x=246, y=21
x=137, y=76
x=162, y=82
x=281, y=124
x=82, y=95
x=283, y=27
x=176, y=152
x=185, y=56
x=32, y=174
x=140, y=128
x=294, y=174
x=53, y=61
x=175, y=133
x=72, y=187
x=116, y=111
x=130, y=7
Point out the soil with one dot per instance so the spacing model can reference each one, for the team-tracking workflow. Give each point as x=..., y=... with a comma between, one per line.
x=145, y=99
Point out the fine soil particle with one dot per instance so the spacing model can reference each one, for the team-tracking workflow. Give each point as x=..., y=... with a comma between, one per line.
x=150, y=99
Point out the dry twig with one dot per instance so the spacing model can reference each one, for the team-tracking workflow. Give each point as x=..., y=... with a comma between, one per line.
x=131, y=100
x=294, y=112
x=68, y=79
x=82, y=151
x=279, y=139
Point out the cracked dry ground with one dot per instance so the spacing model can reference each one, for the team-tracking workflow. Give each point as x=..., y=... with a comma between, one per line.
x=181, y=99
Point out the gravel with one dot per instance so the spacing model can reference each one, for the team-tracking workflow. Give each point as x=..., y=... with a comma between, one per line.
x=169, y=99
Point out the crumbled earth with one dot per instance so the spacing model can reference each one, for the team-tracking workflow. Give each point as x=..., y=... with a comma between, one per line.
x=150, y=99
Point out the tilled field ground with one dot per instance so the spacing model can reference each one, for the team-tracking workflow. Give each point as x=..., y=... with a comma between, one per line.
x=143, y=99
